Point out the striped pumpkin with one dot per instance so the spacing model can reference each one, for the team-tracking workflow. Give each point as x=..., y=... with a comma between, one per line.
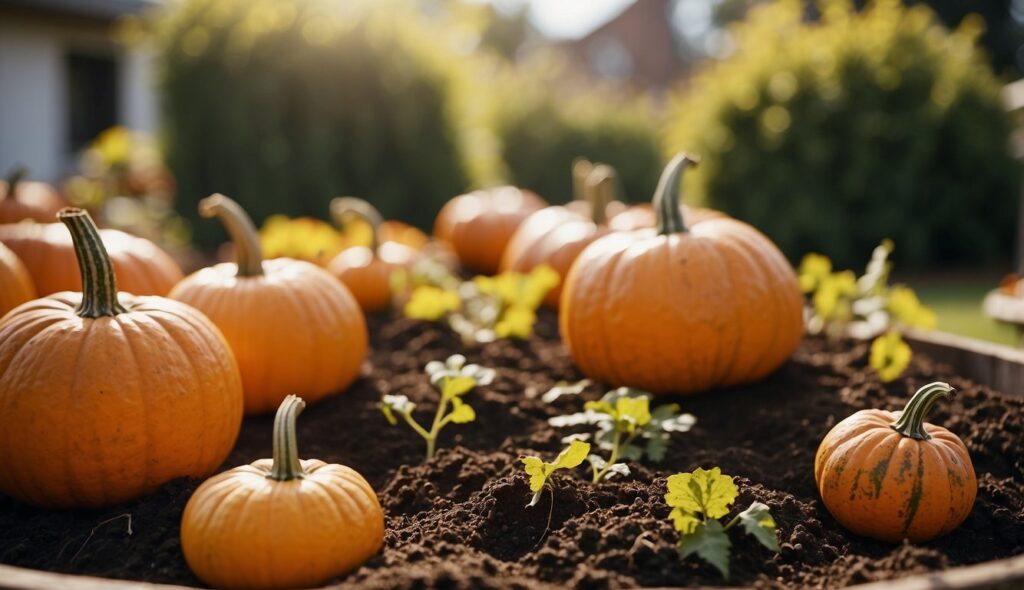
x=892, y=476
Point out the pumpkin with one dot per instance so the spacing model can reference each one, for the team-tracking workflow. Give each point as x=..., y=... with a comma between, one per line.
x=642, y=216
x=293, y=326
x=556, y=235
x=367, y=270
x=281, y=522
x=104, y=396
x=15, y=284
x=48, y=253
x=892, y=476
x=359, y=231
x=681, y=308
x=478, y=225
x=21, y=199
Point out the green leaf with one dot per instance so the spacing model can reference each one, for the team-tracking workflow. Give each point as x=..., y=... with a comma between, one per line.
x=573, y=455
x=757, y=521
x=707, y=492
x=709, y=541
x=453, y=387
x=461, y=412
x=635, y=411
x=539, y=471
x=601, y=407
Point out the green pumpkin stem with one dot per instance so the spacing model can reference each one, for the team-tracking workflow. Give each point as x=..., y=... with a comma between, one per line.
x=15, y=176
x=600, y=191
x=286, y=465
x=248, y=252
x=581, y=169
x=911, y=420
x=667, y=207
x=343, y=207
x=99, y=285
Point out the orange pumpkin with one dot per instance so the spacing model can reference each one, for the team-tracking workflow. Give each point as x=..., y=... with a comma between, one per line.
x=478, y=225
x=367, y=270
x=556, y=235
x=15, y=284
x=281, y=522
x=292, y=326
x=642, y=216
x=21, y=199
x=892, y=476
x=681, y=309
x=48, y=253
x=105, y=396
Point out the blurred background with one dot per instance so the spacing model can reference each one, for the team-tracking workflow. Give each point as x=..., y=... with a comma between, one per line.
x=828, y=124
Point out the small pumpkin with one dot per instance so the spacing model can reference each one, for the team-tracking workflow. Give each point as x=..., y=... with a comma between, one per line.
x=892, y=476
x=681, y=308
x=48, y=253
x=358, y=231
x=104, y=396
x=556, y=235
x=478, y=225
x=22, y=199
x=293, y=326
x=281, y=522
x=15, y=283
x=367, y=270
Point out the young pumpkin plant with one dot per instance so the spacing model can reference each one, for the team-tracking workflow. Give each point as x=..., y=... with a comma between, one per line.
x=699, y=500
x=453, y=379
x=541, y=473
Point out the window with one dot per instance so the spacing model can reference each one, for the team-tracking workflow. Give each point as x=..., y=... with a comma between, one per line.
x=92, y=97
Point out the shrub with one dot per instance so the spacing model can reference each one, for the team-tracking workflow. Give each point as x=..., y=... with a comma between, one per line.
x=285, y=104
x=833, y=135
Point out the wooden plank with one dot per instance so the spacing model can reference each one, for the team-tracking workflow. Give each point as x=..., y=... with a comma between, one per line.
x=1006, y=574
x=16, y=578
x=993, y=365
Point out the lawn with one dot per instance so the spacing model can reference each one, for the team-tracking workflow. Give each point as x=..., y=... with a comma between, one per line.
x=957, y=302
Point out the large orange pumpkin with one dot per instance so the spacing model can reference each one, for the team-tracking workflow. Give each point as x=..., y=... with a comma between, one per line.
x=681, y=309
x=642, y=216
x=892, y=476
x=293, y=326
x=48, y=253
x=22, y=199
x=367, y=270
x=556, y=235
x=106, y=396
x=15, y=284
x=478, y=225
x=281, y=522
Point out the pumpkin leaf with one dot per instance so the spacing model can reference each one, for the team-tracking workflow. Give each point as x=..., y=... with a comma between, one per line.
x=707, y=492
x=633, y=412
x=572, y=456
x=539, y=471
x=710, y=542
x=758, y=523
x=461, y=412
x=890, y=355
x=564, y=388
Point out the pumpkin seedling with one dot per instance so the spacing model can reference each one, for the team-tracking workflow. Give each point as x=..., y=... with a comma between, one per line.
x=698, y=500
x=626, y=428
x=540, y=472
x=454, y=379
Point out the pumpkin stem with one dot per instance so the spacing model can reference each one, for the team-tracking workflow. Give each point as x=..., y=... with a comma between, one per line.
x=286, y=465
x=15, y=176
x=343, y=207
x=600, y=190
x=248, y=252
x=581, y=169
x=911, y=420
x=99, y=285
x=667, y=208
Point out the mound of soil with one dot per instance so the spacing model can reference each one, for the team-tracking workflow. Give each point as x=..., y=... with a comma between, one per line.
x=460, y=521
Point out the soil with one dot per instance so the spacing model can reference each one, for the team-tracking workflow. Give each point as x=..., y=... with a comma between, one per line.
x=460, y=521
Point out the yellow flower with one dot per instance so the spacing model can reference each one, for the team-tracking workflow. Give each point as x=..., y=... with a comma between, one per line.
x=114, y=146
x=814, y=268
x=304, y=238
x=430, y=303
x=832, y=298
x=516, y=289
x=516, y=322
x=890, y=355
x=905, y=308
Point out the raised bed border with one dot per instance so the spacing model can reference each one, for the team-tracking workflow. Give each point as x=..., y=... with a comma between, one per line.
x=993, y=365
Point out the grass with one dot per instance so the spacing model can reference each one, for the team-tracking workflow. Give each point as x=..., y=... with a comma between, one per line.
x=956, y=300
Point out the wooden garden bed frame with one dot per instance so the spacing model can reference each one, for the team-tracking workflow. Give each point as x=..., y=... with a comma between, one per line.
x=993, y=365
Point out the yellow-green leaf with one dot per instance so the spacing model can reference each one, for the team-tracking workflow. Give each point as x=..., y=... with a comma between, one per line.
x=573, y=455
x=705, y=491
x=461, y=412
x=636, y=409
x=453, y=387
x=890, y=355
x=430, y=303
x=813, y=268
x=684, y=522
x=541, y=279
x=535, y=469
x=516, y=322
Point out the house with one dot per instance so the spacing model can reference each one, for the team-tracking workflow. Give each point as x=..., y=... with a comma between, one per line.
x=64, y=79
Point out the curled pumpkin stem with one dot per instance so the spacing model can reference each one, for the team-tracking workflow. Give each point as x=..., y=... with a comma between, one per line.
x=911, y=420
x=581, y=169
x=286, y=464
x=344, y=207
x=99, y=285
x=248, y=251
x=667, y=208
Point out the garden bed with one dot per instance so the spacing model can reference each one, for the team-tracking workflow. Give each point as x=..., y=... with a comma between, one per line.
x=460, y=520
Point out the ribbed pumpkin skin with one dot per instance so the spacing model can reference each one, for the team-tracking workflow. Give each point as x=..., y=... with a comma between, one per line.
x=478, y=225
x=46, y=250
x=37, y=201
x=243, y=530
x=881, y=484
x=100, y=411
x=15, y=283
x=716, y=306
x=554, y=236
x=368, y=275
x=294, y=329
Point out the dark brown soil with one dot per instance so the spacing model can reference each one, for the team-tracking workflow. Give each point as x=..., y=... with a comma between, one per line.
x=459, y=521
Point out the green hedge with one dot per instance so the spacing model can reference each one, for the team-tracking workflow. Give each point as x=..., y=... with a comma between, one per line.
x=830, y=136
x=284, y=104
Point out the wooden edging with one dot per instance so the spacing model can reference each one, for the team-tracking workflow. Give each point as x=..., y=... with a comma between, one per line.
x=992, y=365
